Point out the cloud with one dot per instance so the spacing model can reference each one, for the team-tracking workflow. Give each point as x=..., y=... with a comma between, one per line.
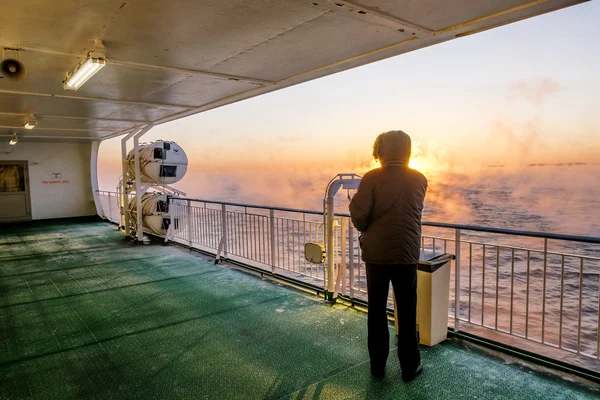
x=533, y=90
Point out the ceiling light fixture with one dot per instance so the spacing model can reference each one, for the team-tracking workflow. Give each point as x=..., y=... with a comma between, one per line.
x=30, y=122
x=93, y=63
x=14, y=140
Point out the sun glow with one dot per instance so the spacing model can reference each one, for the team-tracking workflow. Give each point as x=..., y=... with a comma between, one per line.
x=426, y=163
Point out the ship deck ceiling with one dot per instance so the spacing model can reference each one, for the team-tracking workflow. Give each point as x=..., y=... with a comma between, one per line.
x=86, y=314
x=168, y=60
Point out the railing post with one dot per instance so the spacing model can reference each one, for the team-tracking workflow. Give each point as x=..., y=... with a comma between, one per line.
x=343, y=249
x=330, y=238
x=544, y=289
x=109, y=208
x=171, y=210
x=188, y=224
x=224, y=228
x=351, y=258
x=272, y=236
x=457, y=282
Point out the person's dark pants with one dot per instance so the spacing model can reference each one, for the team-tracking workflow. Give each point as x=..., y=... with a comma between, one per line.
x=404, y=282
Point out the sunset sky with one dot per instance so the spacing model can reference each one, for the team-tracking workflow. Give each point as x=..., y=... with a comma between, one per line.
x=524, y=93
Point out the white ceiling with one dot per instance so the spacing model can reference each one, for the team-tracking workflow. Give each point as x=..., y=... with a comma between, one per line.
x=170, y=59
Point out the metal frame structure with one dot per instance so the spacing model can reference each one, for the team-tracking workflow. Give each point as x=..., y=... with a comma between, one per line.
x=341, y=181
x=126, y=182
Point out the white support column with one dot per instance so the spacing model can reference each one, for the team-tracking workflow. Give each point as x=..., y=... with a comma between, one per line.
x=138, y=184
x=138, y=187
x=109, y=207
x=124, y=192
x=94, y=176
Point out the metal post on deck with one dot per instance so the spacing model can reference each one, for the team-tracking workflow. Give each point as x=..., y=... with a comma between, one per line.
x=188, y=224
x=351, y=258
x=272, y=233
x=109, y=207
x=544, y=290
x=457, y=282
x=330, y=250
x=171, y=208
x=224, y=227
x=343, y=249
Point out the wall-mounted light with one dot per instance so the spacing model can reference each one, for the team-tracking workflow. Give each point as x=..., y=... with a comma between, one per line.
x=94, y=62
x=14, y=140
x=30, y=122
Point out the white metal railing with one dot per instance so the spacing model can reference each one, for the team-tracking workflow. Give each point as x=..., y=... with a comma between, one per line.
x=110, y=205
x=544, y=288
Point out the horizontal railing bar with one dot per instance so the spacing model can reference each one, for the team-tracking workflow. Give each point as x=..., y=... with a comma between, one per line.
x=542, y=235
x=509, y=247
x=255, y=206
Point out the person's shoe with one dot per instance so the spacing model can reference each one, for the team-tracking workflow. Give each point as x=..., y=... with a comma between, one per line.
x=407, y=377
x=378, y=372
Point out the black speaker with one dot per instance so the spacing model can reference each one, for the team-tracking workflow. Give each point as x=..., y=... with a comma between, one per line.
x=12, y=69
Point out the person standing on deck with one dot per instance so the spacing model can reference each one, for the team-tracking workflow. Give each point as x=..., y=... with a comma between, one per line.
x=387, y=210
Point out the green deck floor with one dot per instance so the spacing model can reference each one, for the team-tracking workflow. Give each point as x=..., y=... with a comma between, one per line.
x=85, y=314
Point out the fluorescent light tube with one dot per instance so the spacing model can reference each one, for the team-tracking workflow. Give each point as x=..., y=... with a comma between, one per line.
x=83, y=73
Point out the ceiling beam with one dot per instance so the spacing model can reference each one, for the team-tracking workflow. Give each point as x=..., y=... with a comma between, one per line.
x=49, y=116
x=118, y=101
x=53, y=137
x=214, y=75
x=23, y=114
x=56, y=129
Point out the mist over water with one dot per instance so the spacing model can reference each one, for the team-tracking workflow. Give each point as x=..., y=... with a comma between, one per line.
x=552, y=198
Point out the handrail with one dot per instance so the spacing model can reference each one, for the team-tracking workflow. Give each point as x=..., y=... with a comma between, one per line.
x=312, y=212
x=542, y=235
x=473, y=228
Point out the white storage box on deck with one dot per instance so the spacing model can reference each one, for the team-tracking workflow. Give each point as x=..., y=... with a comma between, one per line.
x=433, y=292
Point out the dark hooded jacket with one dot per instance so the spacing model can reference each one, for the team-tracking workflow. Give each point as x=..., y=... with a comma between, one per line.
x=388, y=205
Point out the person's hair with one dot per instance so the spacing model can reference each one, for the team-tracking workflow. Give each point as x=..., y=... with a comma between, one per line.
x=392, y=147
